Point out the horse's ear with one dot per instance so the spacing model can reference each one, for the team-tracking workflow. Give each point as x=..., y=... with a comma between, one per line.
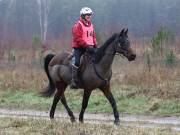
x=126, y=32
x=121, y=33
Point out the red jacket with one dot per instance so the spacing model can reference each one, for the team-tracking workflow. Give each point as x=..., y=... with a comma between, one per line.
x=77, y=33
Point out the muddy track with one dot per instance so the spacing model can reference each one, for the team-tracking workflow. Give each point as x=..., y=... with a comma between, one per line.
x=126, y=120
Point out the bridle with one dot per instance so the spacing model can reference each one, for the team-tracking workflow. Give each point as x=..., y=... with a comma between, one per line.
x=116, y=45
x=105, y=81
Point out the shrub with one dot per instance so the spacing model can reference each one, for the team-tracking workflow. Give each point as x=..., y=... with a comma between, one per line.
x=37, y=46
x=159, y=40
x=170, y=59
x=37, y=42
x=148, y=61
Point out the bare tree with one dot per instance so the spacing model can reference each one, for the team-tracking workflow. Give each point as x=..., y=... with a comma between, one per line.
x=44, y=7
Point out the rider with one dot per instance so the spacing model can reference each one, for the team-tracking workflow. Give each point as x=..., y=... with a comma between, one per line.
x=84, y=38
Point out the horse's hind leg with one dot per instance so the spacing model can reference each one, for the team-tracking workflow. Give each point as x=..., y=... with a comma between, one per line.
x=86, y=96
x=70, y=113
x=110, y=97
x=61, y=86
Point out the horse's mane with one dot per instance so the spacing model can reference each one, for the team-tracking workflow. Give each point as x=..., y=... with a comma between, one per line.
x=100, y=51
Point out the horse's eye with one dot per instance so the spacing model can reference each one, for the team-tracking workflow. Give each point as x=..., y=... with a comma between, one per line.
x=122, y=43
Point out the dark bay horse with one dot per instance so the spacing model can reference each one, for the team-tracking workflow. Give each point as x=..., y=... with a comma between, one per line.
x=58, y=70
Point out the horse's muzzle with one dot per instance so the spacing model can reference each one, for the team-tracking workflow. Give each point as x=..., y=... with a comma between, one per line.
x=132, y=57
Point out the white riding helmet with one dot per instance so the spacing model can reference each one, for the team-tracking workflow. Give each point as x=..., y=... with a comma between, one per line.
x=86, y=10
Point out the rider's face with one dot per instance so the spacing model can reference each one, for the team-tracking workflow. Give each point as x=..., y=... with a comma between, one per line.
x=88, y=17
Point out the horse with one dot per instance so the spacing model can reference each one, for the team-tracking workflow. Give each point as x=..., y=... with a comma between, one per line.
x=97, y=68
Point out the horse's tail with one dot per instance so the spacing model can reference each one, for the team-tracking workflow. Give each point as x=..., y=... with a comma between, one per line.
x=50, y=89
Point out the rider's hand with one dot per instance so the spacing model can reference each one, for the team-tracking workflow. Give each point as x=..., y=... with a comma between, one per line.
x=90, y=49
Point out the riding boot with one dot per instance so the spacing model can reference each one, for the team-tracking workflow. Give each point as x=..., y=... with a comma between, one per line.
x=74, y=81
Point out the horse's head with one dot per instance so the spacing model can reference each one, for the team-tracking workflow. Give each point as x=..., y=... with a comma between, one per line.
x=122, y=45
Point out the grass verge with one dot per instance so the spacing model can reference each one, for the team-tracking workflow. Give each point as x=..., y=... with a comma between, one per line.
x=97, y=103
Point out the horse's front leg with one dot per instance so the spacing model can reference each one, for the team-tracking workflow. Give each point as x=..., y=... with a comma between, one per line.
x=110, y=97
x=86, y=96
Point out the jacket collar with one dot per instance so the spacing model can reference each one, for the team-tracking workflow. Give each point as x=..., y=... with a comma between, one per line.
x=86, y=23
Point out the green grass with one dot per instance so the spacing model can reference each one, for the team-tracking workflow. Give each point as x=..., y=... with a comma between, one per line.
x=97, y=103
x=22, y=126
x=24, y=100
x=168, y=108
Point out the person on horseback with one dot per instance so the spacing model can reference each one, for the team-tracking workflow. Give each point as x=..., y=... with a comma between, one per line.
x=84, y=39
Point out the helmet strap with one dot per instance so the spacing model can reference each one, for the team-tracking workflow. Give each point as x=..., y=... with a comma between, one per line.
x=83, y=17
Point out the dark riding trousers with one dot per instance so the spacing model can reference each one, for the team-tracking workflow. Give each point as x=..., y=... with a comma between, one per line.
x=77, y=53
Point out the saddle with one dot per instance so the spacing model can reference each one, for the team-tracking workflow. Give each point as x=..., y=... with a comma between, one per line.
x=85, y=60
x=65, y=58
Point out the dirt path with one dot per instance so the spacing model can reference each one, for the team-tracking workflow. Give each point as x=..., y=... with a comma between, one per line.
x=126, y=120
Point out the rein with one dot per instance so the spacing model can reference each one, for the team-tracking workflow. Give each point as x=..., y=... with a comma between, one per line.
x=105, y=81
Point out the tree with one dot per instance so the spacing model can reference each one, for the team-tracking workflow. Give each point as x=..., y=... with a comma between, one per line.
x=44, y=7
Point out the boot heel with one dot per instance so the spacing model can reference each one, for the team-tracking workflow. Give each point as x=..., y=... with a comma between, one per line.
x=74, y=81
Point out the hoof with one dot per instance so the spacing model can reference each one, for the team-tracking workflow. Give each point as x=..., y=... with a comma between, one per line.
x=117, y=122
x=73, y=120
x=51, y=116
x=81, y=120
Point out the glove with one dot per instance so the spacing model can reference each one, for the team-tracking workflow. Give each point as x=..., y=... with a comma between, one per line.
x=90, y=49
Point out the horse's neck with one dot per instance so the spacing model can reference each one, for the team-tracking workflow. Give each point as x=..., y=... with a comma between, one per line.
x=106, y=62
